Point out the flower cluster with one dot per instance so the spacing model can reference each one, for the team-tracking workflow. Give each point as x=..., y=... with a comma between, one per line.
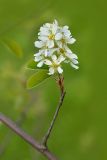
x=53, y=41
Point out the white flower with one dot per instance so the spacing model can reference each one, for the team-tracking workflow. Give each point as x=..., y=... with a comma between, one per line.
x=44, y=49
x=40, y=59
x=55, y=64
x=39, y=44
x=53, y=47
x=48, y=33
x=69, y=56
x=65, y=37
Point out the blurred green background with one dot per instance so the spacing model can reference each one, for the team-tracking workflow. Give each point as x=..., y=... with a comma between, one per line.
x=80, y=132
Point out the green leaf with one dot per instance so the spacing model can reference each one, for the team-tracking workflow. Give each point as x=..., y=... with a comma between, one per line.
x=37, y=78
x=33, y=65
x=14, y=47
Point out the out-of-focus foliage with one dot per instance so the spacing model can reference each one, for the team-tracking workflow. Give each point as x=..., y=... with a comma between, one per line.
x=14, y=47
x=80, y=132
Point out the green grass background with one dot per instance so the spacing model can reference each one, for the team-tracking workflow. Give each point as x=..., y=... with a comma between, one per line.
x=80, y=132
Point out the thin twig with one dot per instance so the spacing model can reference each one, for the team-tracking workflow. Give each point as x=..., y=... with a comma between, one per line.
x=53, y=120
x=61, y=85
x=42, y=149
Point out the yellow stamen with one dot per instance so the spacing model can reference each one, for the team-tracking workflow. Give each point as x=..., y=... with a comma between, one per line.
x=62, y=40
x=51, y=36
x=61, y=50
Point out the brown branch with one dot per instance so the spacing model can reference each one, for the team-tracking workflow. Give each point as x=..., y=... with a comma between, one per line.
x=40, y=148
x=61, y=85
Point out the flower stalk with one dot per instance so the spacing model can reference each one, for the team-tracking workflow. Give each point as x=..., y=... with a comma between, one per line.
x=60, y=83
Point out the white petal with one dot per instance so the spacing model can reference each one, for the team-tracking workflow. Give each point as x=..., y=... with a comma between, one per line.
x=50, y=43
x=41, y=51
x=51, y=71
x=61, y=59
x=37, y=54
x=74, y=61
x=74, y=66
x=43, y=38
x=67, y=49
x=73, y=56
x=60, y=70
x=54, y=58
x=67, y=33
x=58, y=36
x=56, y=22
x=47, y=25
x=46, y=52
x=40, y=64
x=72, y=40
x=48, y=62
x=65, y=28
x=54, y=28
x=38, y=44
x=37, y=58
x=44, y=31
